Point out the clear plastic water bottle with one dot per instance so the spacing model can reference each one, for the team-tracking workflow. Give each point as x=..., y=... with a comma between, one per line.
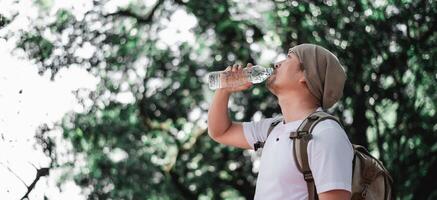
x=224, y=79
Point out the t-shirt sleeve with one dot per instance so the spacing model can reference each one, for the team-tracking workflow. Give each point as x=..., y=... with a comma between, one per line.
x=255, y=131
x=330, y=158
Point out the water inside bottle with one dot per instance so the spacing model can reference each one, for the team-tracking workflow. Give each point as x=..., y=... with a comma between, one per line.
x=214, y=81
x=258, y=76
x=229, y=79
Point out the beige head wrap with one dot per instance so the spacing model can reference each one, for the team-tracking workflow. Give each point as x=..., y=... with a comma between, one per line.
x=324, y=74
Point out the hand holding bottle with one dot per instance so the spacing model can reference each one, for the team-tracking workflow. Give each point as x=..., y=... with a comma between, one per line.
x=235, y=78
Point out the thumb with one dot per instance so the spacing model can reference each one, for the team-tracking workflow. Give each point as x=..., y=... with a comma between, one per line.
x=248, y=85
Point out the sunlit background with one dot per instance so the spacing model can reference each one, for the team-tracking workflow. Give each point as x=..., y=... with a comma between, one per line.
x=29, y=100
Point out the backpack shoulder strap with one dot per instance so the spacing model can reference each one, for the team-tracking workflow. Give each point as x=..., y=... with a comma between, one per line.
x=260, y=144
x=301, y=138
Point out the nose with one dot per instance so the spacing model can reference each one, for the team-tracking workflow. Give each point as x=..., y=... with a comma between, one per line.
x=276, y=65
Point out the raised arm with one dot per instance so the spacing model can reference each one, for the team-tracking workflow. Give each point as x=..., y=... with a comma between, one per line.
x=220, y=127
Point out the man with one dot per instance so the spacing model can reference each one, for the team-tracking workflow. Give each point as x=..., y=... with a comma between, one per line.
x=310, y=79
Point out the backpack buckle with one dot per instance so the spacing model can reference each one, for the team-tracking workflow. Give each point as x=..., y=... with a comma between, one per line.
x=258, y=145
x=307, y=176
x=364, y=191
x=313, y=117
x=301, y=134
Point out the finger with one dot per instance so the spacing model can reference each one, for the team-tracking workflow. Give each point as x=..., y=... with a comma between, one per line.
x=234, y=68
x=240, y=67
x=247, y=85
x=228, y=68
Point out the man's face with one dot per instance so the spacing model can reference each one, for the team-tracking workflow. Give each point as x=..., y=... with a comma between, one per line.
x=286, y=75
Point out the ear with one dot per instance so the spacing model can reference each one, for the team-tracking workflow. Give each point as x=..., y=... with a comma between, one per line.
x=302, y=80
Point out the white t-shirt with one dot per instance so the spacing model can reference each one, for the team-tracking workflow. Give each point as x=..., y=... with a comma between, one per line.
x=330, y=158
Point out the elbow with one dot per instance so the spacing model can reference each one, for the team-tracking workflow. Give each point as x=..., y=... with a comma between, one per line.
x=212, y=134
x=216, y=131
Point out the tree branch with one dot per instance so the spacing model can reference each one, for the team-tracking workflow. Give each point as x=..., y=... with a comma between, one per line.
x=39, y=173
x=141, y=19
x=16, y=175
x=378, y=132
x=180, y=2
x=4, y=21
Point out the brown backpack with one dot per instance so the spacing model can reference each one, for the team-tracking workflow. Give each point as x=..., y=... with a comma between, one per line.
x=370, y=179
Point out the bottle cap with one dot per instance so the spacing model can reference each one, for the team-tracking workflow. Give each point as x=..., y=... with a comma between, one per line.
x=269, y=70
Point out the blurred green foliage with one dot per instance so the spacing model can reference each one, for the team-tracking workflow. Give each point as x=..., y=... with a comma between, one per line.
x=159, y=140
x=4, y=21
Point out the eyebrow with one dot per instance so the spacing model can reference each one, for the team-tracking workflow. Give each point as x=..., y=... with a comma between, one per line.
x=289, y=51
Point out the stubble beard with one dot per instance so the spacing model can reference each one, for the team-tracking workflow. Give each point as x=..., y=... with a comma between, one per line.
x=270, y=84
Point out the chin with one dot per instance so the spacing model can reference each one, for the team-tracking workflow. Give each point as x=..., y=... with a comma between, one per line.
x=270, y=86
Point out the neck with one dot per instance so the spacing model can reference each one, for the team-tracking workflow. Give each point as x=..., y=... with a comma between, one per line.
x=296, y=107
